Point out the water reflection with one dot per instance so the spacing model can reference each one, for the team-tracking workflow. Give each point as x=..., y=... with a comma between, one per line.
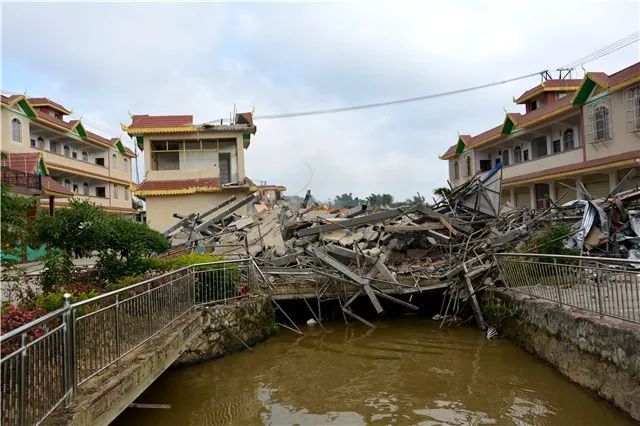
x=406, y=371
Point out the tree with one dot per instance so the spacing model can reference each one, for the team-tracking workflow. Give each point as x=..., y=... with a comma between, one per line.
x=14, y=217
x=347, y=201
x=442, y=191
x=380, y=200
x=73, y=228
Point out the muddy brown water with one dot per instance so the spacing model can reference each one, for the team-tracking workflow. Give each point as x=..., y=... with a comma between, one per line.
x=406, y=371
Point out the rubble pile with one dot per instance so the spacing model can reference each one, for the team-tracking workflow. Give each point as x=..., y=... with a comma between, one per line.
x=386, y=254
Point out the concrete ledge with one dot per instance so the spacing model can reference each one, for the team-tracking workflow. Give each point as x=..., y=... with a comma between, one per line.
x=601, y=354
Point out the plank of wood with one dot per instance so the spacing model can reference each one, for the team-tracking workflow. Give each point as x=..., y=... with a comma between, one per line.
x=349, y=223
x=401, y=229
x=364, y=283
x=225, y=211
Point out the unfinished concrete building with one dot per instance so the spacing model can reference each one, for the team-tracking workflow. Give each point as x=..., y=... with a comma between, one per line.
x=190, y=167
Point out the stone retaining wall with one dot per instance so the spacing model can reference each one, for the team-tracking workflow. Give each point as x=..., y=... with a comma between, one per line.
x=601, y=354
x=251, y=319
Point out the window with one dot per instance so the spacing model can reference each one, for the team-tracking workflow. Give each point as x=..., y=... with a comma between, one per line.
x=525, y=155
x=191, y=154
x=456, y=171
x=632, y=108
x=485, y=165
x=74, y=154
x=101, y=191
x=67, y=151
x=556, y=146
x=539, y=147
x=468, y=166
x=115, y=191
x=75, y=188
x=33, y=143
x=505, y=157
x=100, y=161
x=517, y=155
x=53, y=147
x=40, y=142
x=16, y=130
x=67, y=184
x=598, y=121
x=125, y=164
x=114, y=161
x=85, y=188
x=126, y=194
x=85, y=156
x=567, y=139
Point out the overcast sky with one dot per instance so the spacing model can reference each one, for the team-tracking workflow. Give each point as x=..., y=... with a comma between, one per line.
x=105, y=60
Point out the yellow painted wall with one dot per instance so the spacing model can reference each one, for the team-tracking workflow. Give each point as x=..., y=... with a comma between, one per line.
x=160, y=209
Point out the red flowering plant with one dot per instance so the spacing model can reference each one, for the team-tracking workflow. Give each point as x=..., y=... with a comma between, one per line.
x=14, y=317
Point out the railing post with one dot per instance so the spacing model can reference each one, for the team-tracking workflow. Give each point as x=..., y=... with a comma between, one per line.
x=149, y=319
x=557, y=283
x=118, y=327
x=68, y=351
x=599, y=291
x=22, y=411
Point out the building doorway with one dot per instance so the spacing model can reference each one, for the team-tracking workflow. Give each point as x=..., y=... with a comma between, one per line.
x=225, y=167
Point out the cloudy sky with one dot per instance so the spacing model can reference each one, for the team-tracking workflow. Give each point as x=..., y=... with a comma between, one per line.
x=105, y=60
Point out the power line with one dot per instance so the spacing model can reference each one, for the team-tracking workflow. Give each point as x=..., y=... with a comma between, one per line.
x=393, y=102
x=610, y=48
x=606, y=50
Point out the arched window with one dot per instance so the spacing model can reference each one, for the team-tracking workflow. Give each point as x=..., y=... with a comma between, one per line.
x=125, y=164
x=67, y=151
x=85, y=188
x=468, y=166
x=603, y=127
x=505, y=157
x=40, y=142
x=456, y=171
x=85, y=156
x=16, y=130
x=568, y=139
x=115, y=191
x=517, y=155
x=114, y=161
x=53, y=147
x=126, y=194
x=67, y=184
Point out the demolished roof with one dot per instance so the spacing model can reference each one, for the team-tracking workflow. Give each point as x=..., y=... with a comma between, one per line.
x=152, y=124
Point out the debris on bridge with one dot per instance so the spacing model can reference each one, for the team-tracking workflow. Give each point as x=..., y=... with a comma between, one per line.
x=340, y=254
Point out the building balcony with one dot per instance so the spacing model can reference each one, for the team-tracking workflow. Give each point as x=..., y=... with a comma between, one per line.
x=21, y=180
x=74, y=165
x=565, y=158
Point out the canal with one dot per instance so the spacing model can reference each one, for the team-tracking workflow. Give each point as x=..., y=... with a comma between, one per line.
x=406, y=371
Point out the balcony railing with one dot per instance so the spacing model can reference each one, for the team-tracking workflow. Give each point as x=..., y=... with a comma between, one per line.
x=21, y=179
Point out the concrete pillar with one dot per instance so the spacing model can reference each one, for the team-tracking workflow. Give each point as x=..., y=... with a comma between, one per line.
x=532, y=195
x=512, y=196
x=613, y=180
x=579, y=192
x=552, y=190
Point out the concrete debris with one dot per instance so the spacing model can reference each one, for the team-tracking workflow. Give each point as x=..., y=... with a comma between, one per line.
x=395, y=253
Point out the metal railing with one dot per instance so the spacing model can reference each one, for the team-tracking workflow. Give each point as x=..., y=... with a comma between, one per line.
x=608, y=287
x=43, y=362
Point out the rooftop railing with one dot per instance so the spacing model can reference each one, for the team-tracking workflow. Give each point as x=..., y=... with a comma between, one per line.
x=45, y=361
x=606, y=286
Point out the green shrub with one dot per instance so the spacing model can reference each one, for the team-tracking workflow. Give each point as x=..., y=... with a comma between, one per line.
x=53, y=301
x=58, y=268
x=192, y=259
